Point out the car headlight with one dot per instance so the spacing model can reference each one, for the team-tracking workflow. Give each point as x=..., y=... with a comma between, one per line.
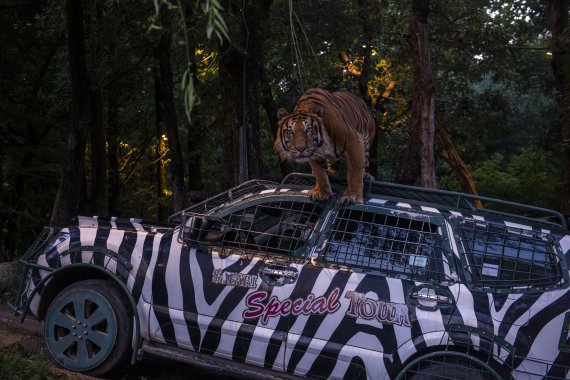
x=56, y=241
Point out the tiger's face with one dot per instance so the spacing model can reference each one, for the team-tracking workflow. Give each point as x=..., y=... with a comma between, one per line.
x=299, y=136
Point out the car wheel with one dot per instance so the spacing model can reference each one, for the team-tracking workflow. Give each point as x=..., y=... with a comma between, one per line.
x=448, y=365
x=88, y=328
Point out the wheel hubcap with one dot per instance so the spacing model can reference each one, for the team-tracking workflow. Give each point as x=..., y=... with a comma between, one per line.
x=81, y=330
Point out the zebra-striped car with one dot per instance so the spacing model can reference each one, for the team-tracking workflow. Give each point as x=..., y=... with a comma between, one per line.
x=262, y=282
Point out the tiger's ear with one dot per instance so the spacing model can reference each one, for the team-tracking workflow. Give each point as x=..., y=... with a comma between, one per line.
x=281, y=113
x=318, y=110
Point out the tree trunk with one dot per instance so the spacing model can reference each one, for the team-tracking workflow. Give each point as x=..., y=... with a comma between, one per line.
x=364, y=13
x=194, y=161
x=419, y=157
x=239, y=75
x=114, y=190
x=98, y=200
x=195, y=129
x=163, y=193
x=99, y=163
x=408, y=170
x=560, y=48
x=453, y=159
x=230, y=72
x=11, y=221
x=176, y=165
x=67, y=199
x=270, y=108
x=257, y=19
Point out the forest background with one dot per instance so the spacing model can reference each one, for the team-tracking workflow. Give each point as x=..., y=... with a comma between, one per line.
x=137, y=108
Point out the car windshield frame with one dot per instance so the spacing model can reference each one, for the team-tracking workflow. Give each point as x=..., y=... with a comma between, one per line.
x=289, y=234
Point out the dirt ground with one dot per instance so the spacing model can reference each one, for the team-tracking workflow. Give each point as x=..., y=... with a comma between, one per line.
x=27, y=336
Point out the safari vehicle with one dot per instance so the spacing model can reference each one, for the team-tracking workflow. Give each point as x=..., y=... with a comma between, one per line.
x=265, y=283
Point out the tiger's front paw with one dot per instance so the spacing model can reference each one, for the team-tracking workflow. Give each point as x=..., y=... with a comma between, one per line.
x=348, y=199
x=317, y=194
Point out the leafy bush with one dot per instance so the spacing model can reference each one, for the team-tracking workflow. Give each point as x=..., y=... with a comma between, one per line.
x=531, y=177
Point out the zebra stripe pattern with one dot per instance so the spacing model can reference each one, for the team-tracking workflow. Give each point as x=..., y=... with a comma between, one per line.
x=329, y=323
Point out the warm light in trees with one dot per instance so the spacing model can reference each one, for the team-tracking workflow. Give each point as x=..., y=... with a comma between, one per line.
x=384, y=79
x=206, y=63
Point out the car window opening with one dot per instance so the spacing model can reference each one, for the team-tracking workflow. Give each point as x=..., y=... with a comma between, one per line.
x=280, y=227
x=505, y=257
x=398, y=246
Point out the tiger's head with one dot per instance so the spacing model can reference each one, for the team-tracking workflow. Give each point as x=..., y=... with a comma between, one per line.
x=300, y=135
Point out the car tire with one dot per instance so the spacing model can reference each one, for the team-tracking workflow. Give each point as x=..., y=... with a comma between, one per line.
x=88, y=328
x=449, y=365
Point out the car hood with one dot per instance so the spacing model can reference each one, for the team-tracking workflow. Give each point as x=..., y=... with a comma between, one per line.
x=127, y=224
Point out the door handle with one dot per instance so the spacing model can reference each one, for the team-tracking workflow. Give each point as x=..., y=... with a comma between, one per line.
x=278, y=275
x=428, y=298
x=279, y=272
x=431, y=297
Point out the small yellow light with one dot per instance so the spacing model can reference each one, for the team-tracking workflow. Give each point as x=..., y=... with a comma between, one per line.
x=548, y=53
x=164, y=137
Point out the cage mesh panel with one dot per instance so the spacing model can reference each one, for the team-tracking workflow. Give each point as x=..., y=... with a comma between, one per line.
x=278, y=227
x=506, y=257
x=396, y=245
x=250, y=187
x=449, y=367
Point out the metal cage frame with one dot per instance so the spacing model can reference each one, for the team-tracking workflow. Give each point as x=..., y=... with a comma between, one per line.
x=443, y=198
x=206, y=206
x=505, y=259
x=278, y=227
x=395, y=244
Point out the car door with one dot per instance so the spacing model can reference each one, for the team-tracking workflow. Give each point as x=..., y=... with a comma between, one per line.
x=234, y=266
x=517, y=280
x=385, y=276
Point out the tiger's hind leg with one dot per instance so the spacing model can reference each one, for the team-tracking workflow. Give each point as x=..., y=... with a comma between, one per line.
x=367, y=175
x=355, y=183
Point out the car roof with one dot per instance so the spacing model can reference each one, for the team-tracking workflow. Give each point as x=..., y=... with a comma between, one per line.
x=299, y=183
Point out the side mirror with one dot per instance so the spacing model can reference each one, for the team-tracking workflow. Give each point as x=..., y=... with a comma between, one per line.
x=199, y=228
x=192, y=228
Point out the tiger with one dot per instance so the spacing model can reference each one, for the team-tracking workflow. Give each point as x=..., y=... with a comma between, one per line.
x=326, y=127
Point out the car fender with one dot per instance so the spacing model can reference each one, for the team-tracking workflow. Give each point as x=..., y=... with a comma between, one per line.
x=115, y=267
x=472, y=341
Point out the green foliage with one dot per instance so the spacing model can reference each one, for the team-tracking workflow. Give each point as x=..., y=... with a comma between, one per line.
x=494, y=91
x=15, y=365
x=216, y=24
x=191, y=98
x=530, y=177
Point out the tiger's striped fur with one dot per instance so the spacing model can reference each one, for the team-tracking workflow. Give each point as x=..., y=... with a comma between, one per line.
x=327, y=127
